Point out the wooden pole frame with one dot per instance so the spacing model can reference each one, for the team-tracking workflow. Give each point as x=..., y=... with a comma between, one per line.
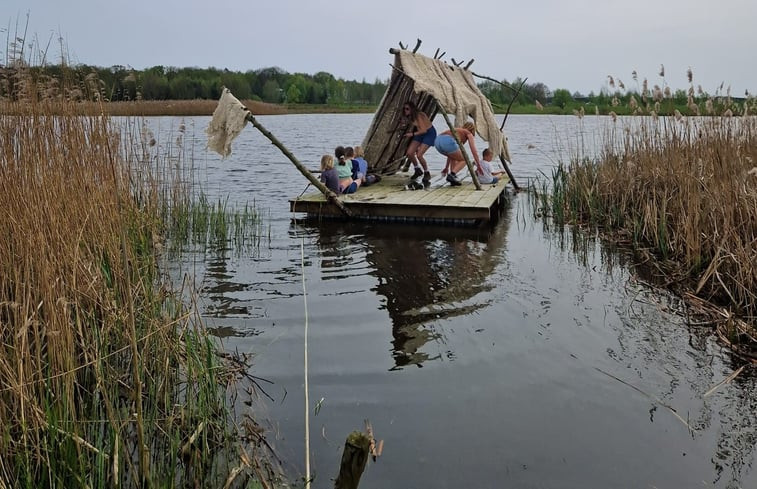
x=509, y=173
x=471, y=170
x=502, y=127
x=330, y=196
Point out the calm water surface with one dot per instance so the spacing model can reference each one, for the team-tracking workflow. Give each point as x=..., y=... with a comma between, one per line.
x=513, y=356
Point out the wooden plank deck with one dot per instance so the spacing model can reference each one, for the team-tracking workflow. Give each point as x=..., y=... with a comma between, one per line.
x=441, y=203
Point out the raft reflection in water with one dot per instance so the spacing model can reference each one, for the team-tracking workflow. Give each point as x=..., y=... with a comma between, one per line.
x=426, y=274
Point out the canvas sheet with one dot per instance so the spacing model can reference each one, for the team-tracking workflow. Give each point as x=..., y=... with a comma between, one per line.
x=457, y=93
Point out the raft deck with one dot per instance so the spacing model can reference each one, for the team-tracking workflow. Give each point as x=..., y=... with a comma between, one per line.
x=388, y=200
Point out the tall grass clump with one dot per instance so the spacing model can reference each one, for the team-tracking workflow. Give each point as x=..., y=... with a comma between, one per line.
x=683, y=192
x=106, y=378
x=204, y=225
x=164, y=174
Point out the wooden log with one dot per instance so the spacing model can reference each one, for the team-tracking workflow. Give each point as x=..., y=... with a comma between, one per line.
x=331, y=196
x=471, y=170
x=354, y=457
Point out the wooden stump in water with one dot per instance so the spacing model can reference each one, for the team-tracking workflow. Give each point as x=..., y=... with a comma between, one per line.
x=354, y=458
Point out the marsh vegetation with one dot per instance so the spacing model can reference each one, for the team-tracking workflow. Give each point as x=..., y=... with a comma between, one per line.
x=108, y=377
x=682, y=193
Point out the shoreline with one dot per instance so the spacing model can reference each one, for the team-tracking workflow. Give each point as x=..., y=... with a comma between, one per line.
x=205, y=107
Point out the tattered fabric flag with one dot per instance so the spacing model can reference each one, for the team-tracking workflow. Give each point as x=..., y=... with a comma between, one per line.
x=228, y=121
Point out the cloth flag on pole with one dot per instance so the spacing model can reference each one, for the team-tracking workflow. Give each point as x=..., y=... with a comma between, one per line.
x=227, y=122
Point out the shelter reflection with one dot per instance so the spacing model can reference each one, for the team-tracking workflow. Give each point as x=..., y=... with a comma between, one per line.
x=425, y=274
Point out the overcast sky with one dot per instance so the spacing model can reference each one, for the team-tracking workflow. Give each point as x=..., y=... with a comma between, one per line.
x=572, y=44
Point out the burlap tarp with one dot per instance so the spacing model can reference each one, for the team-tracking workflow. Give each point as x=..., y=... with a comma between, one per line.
x=457, y=93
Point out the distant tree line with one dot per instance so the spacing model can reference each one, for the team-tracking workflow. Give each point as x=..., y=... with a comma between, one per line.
x=276, y=86
x=516, y=92
x=273, y=85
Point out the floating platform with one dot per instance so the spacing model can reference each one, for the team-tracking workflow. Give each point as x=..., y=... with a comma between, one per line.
x=388, y=200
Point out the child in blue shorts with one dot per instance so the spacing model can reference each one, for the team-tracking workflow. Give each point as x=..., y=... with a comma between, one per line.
x=446, y=145
x=423, y=137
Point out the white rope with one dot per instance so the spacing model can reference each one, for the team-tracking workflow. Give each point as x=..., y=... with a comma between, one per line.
x=307, y=395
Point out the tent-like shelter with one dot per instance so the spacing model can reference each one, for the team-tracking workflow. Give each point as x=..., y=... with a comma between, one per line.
x=434, y=86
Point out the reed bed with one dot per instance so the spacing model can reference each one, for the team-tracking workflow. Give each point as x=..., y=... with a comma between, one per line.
x=683, y=193
x=107, y=379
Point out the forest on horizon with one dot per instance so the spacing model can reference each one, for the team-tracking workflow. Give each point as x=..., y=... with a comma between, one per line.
x=276, y=86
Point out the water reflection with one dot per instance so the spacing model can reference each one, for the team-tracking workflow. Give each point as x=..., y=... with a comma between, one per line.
x=735, y=450
x=221, y=289
x=424, y=274
x=677, y=361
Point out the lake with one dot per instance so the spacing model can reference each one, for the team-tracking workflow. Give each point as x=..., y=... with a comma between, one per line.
x=510, y=356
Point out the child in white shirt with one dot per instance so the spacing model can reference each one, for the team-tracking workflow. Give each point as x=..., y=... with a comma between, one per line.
x=489, y=176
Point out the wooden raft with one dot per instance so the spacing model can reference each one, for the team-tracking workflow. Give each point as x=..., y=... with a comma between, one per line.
x=388, y=200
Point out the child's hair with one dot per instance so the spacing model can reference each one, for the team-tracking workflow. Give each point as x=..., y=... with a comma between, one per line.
x=349, y=152
x=471, y=127
x=339, y=154
x=359, y=151
x=487, y=153
x=327, y=162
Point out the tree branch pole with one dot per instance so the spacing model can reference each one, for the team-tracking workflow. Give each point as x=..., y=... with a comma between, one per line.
x=471, y=170
x=502, y=127
x=330, y=196
x=506, y=85
x=510, y=105
x=509, y=173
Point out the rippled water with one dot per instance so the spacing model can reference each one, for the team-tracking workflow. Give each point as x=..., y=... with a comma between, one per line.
x=513, y=356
